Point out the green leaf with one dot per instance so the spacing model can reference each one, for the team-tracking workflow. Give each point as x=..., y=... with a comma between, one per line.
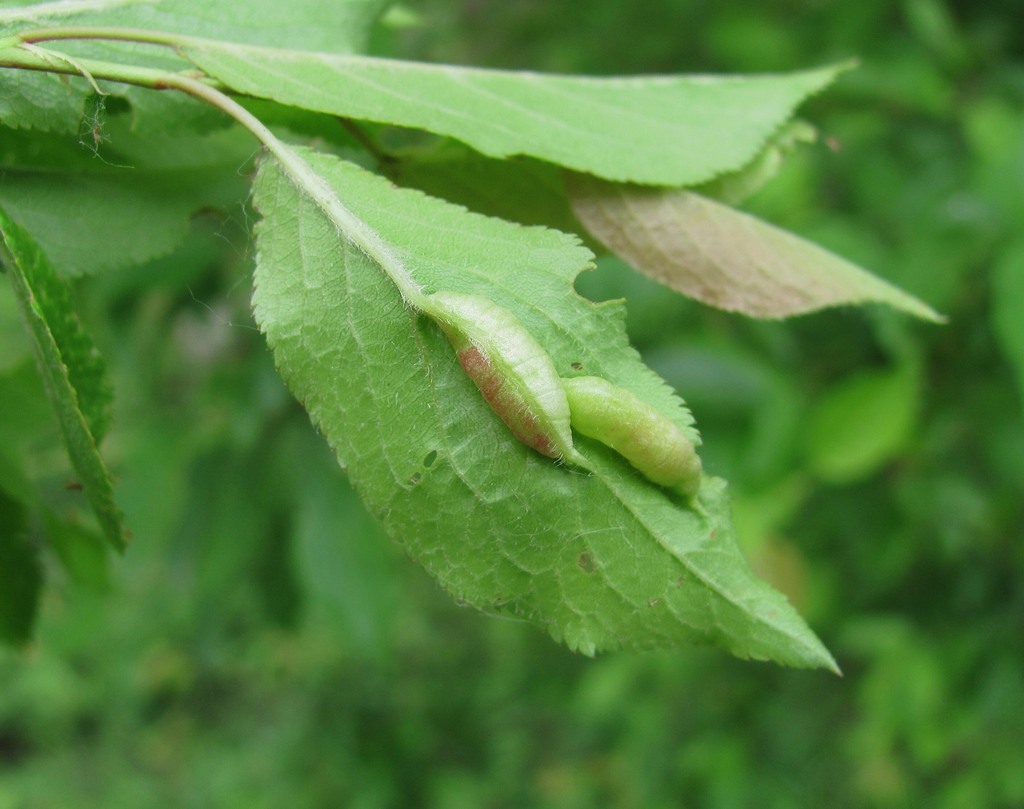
x=526, y=191
x=1007, y=306
x=86, y=369
x=677, y=130
x=340, y=26
x=723, y=257
x=52, y=103
x=862, y=423
x=24, y=422
x=16, y=343
x=13, y=476
x=65, y=358
x=601, y=559
x=21, y=575
x=41, y=101
x=103, y=219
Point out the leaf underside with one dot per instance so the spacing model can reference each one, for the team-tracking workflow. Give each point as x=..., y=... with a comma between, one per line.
x=680, y=130
x=602, y=559
x=724, y=257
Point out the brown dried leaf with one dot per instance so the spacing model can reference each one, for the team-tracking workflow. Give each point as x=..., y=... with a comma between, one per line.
x=724, y=257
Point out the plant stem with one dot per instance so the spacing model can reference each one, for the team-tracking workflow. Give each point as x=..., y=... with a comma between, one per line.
x=351, y=226
x=302, y=174
x=142, y=35
x=367, y=142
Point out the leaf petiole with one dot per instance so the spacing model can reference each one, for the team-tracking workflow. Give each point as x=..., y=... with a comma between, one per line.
x=143, y=36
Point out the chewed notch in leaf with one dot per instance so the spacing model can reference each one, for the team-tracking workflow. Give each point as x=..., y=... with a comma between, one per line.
x=513, y=372
x=645, y=437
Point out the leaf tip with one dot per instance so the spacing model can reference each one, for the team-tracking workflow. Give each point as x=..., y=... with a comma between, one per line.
x=819, y=657
x=913, y=305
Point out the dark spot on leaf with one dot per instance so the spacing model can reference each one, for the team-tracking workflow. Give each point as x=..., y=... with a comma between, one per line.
x=416, y=479
x=430, y=459
x=577, y=366
x=586, y=562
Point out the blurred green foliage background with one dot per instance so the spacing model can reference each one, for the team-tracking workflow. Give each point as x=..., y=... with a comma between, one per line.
x=263, y=645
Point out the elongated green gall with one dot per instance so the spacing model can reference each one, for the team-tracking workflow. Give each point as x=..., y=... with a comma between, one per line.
x=513, y=372
x=650, y=441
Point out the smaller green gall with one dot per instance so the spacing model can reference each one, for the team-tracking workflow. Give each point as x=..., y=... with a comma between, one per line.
x=652, y=443
x=514, y=373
